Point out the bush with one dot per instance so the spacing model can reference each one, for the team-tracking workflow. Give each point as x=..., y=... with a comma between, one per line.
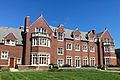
x=66, y=65
x=85, y=66
x=0, y=68
x=53, y=66
x=113, y=65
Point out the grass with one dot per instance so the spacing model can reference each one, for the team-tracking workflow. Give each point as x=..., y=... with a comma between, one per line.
x=60, y=75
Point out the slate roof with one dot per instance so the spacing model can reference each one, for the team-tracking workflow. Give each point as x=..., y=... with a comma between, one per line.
x=68, y=33
x=4, y=31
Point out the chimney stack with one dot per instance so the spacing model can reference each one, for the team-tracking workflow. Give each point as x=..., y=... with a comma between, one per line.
x=27, y=23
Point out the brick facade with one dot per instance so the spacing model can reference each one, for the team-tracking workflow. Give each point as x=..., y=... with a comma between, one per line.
x=44, y=44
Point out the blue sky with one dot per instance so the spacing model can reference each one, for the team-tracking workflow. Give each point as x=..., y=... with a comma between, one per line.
x=84, y=14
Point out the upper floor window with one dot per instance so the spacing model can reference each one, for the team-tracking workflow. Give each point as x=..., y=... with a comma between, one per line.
x=42, y=30
x=60, y=51
x=106, y=40
x=92, y=49
x=77, y=47
x=106, y=48
x=60, y=36
x=35, y=41
x=4, y=55
x=84, y=47
x=91, y=38
x=43, y=41
x=69, y=46
x=10, y=42
x=77, y=37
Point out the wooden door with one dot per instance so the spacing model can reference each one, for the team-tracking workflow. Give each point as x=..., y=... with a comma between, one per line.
x=11, y=62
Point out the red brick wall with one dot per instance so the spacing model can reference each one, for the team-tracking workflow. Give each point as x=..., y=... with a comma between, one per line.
x=13, y=51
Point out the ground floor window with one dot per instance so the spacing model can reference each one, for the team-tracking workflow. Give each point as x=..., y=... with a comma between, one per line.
x=4, y=54
x=85, y=61
x=18, y=60
x=107, y=61
x=69, y=61
x=92, y=61
x=77, y=62
x=60, y=62
x=40, y=59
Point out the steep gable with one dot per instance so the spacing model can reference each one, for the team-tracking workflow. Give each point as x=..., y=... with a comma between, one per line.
x=40, y=23
x=10, y=36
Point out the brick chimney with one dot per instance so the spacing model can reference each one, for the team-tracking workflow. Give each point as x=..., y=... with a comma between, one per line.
x=27, y=23
x=27, y=42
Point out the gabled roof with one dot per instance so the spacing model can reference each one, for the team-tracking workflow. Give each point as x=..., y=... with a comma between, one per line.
x=4, y=31
x=10, y=36
x=68, y=33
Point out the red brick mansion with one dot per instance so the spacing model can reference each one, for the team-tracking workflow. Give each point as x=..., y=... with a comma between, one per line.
x=40, y=44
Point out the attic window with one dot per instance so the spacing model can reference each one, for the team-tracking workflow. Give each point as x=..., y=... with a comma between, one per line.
x=60, y=36
x=10, y=42
x=106, y=40
x=77, y=37
x=41, y=30
x=91, y=37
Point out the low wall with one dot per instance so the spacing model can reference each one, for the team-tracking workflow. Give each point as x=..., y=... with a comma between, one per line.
x=113, y=68
x=30, y=67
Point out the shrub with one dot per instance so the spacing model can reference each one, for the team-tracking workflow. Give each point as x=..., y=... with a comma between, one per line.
x=113, y=65
x=53, y=66
x=66, y=65
x=85, y=66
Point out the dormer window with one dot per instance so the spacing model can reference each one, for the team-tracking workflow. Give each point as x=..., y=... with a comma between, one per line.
x=41, y=30
x=60, y=36
x=106, y=40
x=7, y=41
x=10, y=42
x=91, y=38
x=10, y=39
x=37, y=30
x=77, y=37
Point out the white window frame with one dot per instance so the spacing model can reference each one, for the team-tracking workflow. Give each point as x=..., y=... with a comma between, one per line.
x=77, y=38
x=91, y=38
x=68, y=45
x=84, y=49
x=106, y=60
x=61, y=52
x=93, y=50
x=3, y=55
x=85, y=61
x=11, y=42
x=106, y=48
x=44, y=40
x=18, y=62
x=60, y=37
x=76, y=49
x=69, y=58
x=92, y=59
x=77, y=58
x=43, y=59
x=61, y=62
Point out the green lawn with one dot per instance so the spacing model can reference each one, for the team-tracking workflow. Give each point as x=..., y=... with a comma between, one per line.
x=61, y=75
